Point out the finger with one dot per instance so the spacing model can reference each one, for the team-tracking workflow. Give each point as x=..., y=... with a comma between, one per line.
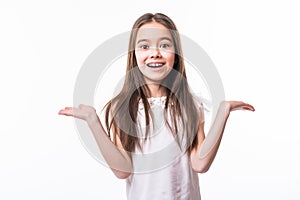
x=68, y=112
x=244, y=107
x=68, y=108
x=249, y=107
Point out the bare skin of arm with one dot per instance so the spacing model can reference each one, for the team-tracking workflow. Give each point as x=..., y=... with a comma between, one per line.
x=115, y=155
x=203, y=155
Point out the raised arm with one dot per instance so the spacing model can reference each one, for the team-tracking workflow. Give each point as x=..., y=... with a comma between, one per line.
x=203, y=155
x=116, y=157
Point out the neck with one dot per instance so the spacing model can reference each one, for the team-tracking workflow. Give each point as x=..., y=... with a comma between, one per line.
x=156, y=90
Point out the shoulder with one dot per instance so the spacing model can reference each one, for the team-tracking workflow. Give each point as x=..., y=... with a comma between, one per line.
x=203, y=105
x=202, y=102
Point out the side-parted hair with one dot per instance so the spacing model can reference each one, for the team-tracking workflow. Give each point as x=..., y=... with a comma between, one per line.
x=121, y=111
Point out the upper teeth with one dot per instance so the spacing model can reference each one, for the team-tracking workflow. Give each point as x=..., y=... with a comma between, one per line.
x=155, y=64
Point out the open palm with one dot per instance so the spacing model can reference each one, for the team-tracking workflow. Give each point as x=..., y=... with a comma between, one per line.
x=83, y=112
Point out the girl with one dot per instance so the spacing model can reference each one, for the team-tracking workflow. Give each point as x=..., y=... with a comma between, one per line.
x=154, y=136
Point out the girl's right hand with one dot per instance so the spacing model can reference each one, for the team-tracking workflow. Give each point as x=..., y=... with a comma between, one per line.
x=84, y=112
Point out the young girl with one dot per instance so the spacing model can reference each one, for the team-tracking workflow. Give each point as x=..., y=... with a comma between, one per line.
x=154, y=136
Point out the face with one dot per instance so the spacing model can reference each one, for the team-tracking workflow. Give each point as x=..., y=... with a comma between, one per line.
x=154, y=51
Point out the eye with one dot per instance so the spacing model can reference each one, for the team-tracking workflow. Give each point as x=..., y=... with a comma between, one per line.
x=144, y=46
x=165, y=45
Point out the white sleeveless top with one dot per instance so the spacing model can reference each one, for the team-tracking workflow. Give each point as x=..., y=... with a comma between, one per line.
x=162, y=171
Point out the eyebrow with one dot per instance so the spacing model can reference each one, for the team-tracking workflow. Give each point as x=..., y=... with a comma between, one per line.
x=160, y=39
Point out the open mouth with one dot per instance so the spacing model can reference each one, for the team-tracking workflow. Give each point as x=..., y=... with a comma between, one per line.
x=155, y=65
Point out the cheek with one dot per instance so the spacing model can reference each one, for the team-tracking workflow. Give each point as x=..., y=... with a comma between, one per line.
x=140, y=57
x=170, y=57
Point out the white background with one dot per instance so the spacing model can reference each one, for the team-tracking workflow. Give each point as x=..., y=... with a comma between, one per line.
x=254, y=45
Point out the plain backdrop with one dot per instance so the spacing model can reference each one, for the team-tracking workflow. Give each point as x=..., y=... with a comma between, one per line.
x=254, y=45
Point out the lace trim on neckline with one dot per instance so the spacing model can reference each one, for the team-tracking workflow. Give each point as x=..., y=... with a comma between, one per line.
x=160, y=101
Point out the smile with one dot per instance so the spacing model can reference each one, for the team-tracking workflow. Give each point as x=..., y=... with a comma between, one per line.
x=155, y=65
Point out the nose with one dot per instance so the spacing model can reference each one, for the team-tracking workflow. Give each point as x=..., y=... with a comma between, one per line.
x=155, y=53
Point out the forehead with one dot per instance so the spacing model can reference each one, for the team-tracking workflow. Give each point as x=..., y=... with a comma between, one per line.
x=152, y=31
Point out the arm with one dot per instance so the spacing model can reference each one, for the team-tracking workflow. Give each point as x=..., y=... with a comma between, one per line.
x=116, y=157
x=203, y=155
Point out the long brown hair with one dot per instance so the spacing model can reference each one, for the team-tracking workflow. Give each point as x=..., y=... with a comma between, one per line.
x=121, y=111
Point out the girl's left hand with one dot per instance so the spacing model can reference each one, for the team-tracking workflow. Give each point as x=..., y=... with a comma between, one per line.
x=238, y=105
